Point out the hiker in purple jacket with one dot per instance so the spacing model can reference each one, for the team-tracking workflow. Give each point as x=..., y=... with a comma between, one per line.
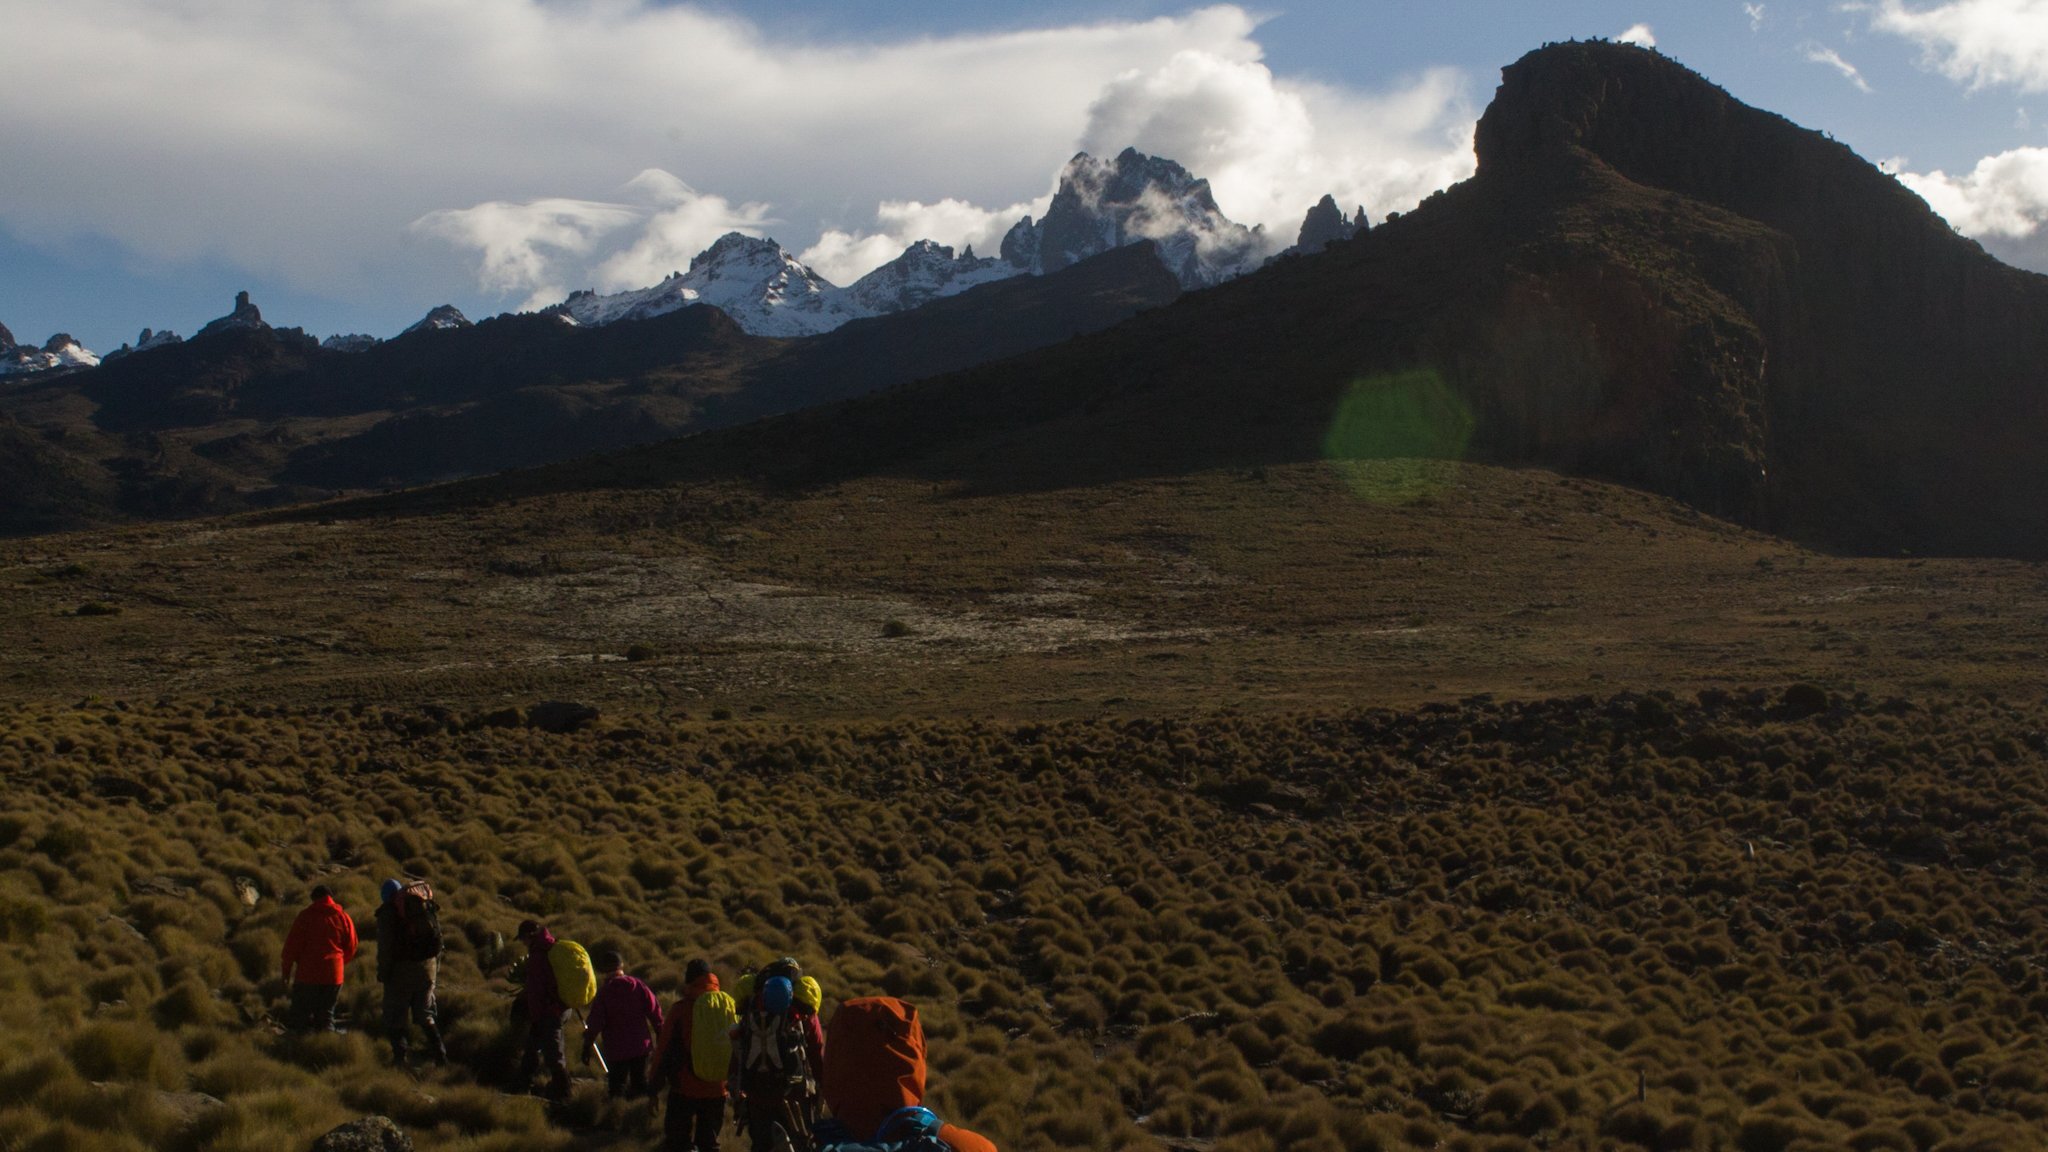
x=626, y=1018
x=544, y=1010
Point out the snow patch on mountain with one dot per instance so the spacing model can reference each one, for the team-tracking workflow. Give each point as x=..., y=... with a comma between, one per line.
x=349, y=342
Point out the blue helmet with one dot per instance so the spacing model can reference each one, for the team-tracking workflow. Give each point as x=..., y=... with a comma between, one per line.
x=391, y=889
x=777, y=994
x=904, y=1123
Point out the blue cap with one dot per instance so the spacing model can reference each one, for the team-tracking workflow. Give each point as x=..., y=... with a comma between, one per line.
x=777, y=993
x=391, y=888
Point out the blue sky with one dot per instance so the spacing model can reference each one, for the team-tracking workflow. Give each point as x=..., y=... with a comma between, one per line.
x=352, y=166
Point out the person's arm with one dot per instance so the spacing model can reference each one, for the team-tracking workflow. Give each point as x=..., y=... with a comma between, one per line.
x=294, y=942
x=348, y=935
x=666, y=1043
x=593, y=1024
x=387, y=941
x=817, y=1047
x=654, y=1021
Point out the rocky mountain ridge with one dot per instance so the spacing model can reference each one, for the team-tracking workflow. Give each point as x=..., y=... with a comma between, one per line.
x=1099, y=205
x=1646, y=281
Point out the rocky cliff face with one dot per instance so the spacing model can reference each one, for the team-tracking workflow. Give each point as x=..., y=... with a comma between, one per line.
x=1325, y=225
x=1882, y=378
x=245, y=315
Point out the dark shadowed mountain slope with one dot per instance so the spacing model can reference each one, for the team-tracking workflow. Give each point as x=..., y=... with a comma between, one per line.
x=249, y=415
x=1647, y=281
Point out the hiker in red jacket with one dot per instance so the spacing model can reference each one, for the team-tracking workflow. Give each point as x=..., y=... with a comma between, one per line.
x=544, y=1011
x=696, y=1106
x=321, y=941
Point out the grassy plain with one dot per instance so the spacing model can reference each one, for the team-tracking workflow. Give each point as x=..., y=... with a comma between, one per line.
x=1239, y=811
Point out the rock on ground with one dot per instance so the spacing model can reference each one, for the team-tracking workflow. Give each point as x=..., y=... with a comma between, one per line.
x=370, y=1134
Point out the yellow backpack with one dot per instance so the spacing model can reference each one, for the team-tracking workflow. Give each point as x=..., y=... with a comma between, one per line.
x=575, y=979
x=711, y=1023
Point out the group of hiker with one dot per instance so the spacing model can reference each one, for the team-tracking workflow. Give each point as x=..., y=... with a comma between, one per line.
x=761, y=1045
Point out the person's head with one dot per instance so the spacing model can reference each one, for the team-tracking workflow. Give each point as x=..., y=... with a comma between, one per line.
x=390, y=891
x=322, y=892
x=610, y=961
x=696, y=970
x=531, y=933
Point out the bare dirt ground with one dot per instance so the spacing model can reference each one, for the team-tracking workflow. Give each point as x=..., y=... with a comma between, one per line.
x=1216, y=591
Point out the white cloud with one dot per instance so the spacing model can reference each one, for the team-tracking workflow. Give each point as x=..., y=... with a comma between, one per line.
x=1755, y=12
x=843, y=257
x=2005, y=197
x=1821, y=54
x=684, y=223
x=1981, y=43
x=523, y=244
x=1269, y=147
x=300, y=141
x=1639, y=35
x=517, y=240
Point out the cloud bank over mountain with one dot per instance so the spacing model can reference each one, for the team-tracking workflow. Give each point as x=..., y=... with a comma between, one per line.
x=304, y=142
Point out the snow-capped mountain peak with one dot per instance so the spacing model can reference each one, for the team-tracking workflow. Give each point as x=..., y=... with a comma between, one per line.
x=926, y=271
x=59, y=351
x=1104, y=204
x=439, y=319
x=752, y=279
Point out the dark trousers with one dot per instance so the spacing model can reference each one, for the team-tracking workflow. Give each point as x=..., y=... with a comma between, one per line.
x=544, y=1046
x=692, y=1125
x=626, y=1077
x=409, y=993
x=312, y=1007
x=776, y=1123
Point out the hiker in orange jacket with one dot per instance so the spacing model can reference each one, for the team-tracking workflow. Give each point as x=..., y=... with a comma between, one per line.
x=696, y=1106
x=322, y=939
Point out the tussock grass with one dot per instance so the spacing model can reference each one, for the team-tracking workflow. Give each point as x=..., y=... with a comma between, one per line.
x=1782, y=921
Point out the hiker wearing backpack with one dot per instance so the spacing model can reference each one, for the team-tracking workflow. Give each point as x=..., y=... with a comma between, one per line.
x=321, y=941
x=544, y=1011
x=875, y=1085
x=778, y=1058
x=409, y=966
x=692, y=1061
x=626, y=1017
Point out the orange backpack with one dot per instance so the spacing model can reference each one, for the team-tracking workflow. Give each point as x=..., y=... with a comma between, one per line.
x=877, y=1061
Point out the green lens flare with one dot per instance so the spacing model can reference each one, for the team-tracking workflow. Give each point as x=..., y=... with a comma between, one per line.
x=1399, y=437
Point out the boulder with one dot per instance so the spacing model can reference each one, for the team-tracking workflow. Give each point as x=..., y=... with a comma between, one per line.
x=560, y=716
x=370, y=1134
